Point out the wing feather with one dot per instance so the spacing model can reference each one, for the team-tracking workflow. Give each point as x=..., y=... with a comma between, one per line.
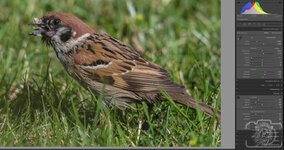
x=124, y=68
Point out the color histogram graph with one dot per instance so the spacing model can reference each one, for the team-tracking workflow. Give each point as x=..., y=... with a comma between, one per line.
x=252, y=8
x=259, y=10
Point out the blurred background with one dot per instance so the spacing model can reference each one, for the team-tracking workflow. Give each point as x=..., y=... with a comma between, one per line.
x=40, y=105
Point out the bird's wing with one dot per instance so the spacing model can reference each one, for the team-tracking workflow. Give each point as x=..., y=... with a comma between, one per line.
x=107, y=60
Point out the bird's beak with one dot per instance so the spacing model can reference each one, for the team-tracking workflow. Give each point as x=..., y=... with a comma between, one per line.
x=41, y=28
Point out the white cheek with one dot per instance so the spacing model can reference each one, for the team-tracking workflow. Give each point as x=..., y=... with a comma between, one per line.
x=56, y=38
x=61, y=46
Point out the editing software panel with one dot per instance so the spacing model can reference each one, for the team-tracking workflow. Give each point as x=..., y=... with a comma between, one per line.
x=259, y=74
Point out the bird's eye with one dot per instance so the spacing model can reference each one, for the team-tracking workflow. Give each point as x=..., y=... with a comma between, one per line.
x=56, y=21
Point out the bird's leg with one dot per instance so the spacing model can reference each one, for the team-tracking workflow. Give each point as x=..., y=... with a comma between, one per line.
x=122, y=115
x=150, y=107
x=145, y=125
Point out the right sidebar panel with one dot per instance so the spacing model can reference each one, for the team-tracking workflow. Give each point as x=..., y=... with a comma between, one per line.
x=259, y=74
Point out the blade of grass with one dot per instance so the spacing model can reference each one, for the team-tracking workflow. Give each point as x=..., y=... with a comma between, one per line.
x=174, y=104
x=218, y=101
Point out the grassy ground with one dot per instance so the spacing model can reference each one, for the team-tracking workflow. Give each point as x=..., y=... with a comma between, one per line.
x=40, y=105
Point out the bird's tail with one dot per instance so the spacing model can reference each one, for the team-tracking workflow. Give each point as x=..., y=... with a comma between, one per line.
x=189, y=101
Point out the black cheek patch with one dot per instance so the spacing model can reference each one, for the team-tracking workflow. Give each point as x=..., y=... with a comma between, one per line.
x=66, y=36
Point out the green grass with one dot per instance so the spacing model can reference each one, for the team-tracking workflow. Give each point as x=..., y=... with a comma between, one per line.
x=40, y=105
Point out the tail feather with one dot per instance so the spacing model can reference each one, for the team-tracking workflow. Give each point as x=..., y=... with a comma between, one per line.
x=189, y=101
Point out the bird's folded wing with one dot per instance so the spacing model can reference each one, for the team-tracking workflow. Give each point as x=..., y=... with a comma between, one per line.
x=107, y=60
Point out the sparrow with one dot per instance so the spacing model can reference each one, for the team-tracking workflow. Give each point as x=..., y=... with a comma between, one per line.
x=102, y=63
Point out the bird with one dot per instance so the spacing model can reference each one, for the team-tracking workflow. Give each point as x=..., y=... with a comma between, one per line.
x=102, y=63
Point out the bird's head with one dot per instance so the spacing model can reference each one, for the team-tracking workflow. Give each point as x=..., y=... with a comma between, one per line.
x=58, y=27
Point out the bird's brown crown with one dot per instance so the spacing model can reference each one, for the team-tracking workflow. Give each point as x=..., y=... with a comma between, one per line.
x=71, y=21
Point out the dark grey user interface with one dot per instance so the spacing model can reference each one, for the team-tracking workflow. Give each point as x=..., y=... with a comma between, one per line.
x=259, y=74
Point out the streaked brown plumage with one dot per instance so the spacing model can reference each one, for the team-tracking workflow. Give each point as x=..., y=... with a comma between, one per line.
x=96, y=59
